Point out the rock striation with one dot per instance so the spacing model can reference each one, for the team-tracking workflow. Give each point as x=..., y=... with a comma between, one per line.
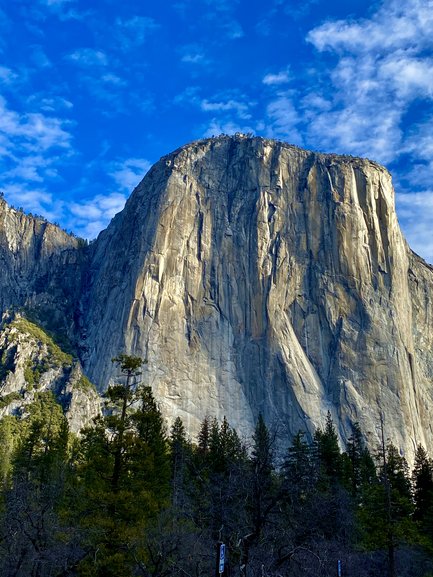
x=256, y=277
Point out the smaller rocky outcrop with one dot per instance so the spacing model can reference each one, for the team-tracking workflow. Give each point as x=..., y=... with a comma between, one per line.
x=30, y=363
x=42, y=269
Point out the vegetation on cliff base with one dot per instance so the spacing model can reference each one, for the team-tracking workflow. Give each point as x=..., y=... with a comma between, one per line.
x=57, y=357
x=127, y=499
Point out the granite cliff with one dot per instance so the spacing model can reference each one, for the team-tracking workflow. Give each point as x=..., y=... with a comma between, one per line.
x=254, y=277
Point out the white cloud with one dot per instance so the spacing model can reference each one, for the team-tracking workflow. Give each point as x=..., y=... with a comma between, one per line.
x=128, y=173
x=240, y=108
x=32, y=131
x=50, y=103
x=193, y=54
x=7, y=76
x=227, y=108
x=410, y=77
x=31, y=169
x=419, y=140
x=390, y=28
x=233, y=30
x=188, y=96
x=55, y=2
x=284, y=119
x=194, y=58
x=88, y=57
x=358, y=105
x=415, y=212
x=218, y=126
x=357, y=131
x=29, y=156
x=281, y=77
x=92, y=215
x=113, y=79
x=133, y=32
x=35, y=200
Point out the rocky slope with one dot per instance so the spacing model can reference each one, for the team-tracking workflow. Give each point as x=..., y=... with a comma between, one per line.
x=31, y=363
x=255, y=276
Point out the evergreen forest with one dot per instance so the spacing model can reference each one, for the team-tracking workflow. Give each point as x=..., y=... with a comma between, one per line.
x=130, y=498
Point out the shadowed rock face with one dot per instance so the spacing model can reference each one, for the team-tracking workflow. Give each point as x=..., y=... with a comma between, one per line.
x=41, y=268
x=258, y=277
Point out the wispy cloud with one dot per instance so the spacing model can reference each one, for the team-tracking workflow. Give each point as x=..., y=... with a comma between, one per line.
x=415, y=212
x=33, y=131
x=50, y=103
x=89, y=216
x=227, y=107
x=30, y=146
x=128, y=173
x=55, y=2
x=133, y=32
x=39, y=57
x=357, y=105
x=282, y=77
x=33, y=168
x=240, y=108
x=220, y=126
x=7, y=76
x=217, y=16
x=92, y=215
x=88, y=57
x=284, y=119
x=411, y=26
x=35, y=200
x=233, y=30
x=194, y=54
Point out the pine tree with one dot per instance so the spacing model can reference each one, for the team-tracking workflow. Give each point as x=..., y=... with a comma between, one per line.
x=34, y=539
x=181, y=453
x=422, y=481
x=387, y=507
x=329, y=454
x=203, y=437
x=125, y=473
x=300, y=469
x=9, y=435
x=358, y=464
x=262, y=463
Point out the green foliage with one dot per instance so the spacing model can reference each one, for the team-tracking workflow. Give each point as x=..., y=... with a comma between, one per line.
x=181, y=453
x=9, y=435
x=329, y=454
x=33, y=537
x=129, y=365
x=52, y=324
x=422, y=482
x=6, y=400
x=57, y=357
x=84, y=384
x=29, y=373
x=7, y=362
x=300, y=468
x=124, y=472
x=125, y=500
x=359, y=469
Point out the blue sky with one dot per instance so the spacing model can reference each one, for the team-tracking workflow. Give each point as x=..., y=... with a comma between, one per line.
x=93, y=93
